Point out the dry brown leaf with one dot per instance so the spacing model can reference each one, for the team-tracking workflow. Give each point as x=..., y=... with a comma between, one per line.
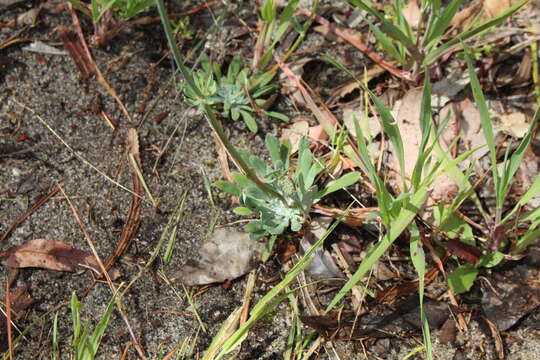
x=463, y=18
x=514, y=124
x=494, y=8
x=322, y=265
x=411, y=13
x=51, y=255
x=28, y=17
x=227, y=255
x=407, y=119
x=295, y=133
x=348, y=119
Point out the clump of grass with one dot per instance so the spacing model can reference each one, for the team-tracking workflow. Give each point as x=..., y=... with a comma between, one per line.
x=85, y=344
x=418, y=48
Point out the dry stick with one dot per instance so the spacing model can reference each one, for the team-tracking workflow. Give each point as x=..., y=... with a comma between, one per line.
x=134, y=215
x=29, y=212
x=104, y=273
x=8, y=320
x=250, y=285
x=95, y=69
x=73, y=151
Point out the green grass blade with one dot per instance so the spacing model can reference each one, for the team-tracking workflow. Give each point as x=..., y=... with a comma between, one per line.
x=173, y=222
x=387, y=44
x=272, y=298
x=97, y=334
x=393, y=133
x=426, y=124
x=531, y=192
x=389, y=29
x=517, y=157
x=440, y=23
x=438, y=52
x=419, y=262
x=487, y=127
x=406, y=215
x=341, y=183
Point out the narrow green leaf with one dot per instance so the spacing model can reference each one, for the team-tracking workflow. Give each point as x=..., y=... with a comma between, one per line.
x=341, y=183
x=406, y=215
x=440, y=24
x=419, y=263
x=393, y=133
x=487, y=127
x=387, y=44
x=434, y=55
x=95, y=338
x=250, y=122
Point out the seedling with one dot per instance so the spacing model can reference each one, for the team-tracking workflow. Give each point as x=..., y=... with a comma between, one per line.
x=293, y=193
x=86, y=345
x=234, y=95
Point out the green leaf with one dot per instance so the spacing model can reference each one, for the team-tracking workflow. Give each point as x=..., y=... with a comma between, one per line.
x=387, y=44
x=272, y=144
x=95, y=338
x=515, y=160
x=277, y=115
x=268, y=10
x=487, y=128
x=341, y=183
x=462, y=278
x=392, y=131
x=406, y=215
x=250, y=122
x=440, y=23
x=490, y=260
x=419, y=263
x=241, y=210
x=432, y=56
x=228, y=187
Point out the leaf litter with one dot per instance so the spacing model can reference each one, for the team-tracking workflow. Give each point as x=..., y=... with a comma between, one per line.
x=211, y=265
x=226, y=255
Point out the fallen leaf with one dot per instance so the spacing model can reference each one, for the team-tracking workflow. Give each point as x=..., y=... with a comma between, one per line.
x=408, y=122
x=323, y=265
x=28, y=17
x=295, y=133
x=42, y=48
x=6, y=3
x=411, y=13
x=371, y=126
x=226, y=255
x=494, y=8
x=51, y=255
x=514, y=124
x=463, y=18
x=469, y=253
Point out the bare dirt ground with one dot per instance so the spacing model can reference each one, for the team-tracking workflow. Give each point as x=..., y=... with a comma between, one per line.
x=53, y=132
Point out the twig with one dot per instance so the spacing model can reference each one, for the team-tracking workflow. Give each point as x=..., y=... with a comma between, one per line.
x=105, y=273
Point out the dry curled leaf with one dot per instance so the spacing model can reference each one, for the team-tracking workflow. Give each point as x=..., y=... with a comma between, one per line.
x=51, y=255
x=227, y=255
